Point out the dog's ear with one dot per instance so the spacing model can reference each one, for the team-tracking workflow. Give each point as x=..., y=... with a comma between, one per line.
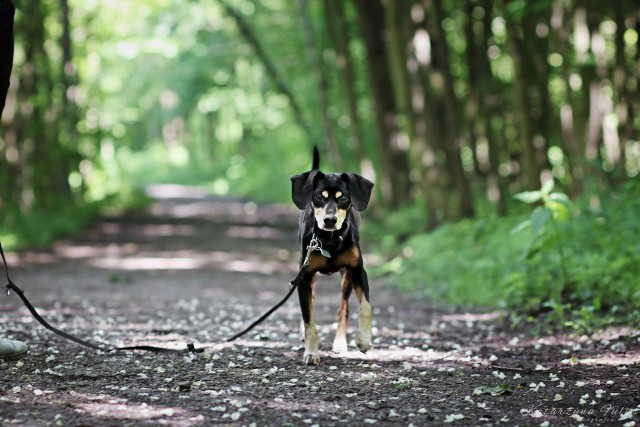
x=302, y=188
x=360, y=190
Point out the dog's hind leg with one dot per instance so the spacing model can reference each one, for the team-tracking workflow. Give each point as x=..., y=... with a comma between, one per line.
x=365, y=316
x=306, y=294
x=340, y=341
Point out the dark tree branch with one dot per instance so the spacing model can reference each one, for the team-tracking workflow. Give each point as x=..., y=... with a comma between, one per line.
x=269, y=66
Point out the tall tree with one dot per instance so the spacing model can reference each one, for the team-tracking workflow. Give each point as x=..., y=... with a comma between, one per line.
x=338, y=28
x=392, y=151
x=624, y=83
x=490, y=103
x=417, y=99
x=524, y=76
x=317, y=66
x=451, y=130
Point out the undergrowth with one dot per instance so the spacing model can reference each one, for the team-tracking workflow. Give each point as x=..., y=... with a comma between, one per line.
x=578, y=267
x=38, y=228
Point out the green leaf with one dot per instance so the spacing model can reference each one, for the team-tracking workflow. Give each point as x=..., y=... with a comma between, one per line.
x=542, y=244
x=529, y=196
x=520, y=227
x=547, y=187
x=597, y=303
x=560, y=210
x=539, y=218
x=531, y=250
x=548, y=242
x=495, y=391
x=560, y=198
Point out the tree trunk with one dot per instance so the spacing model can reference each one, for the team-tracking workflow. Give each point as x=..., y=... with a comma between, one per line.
x=473, y=107
x=394, y=168
x=34, y=88
x=317, y=67
x=452, y=143
x=67, y=133
x=536, y=43
x=561, y=30
x=339, y=33
x=491, y=105
x=591, y=72
x=621, y=73
x=396, y=50
x=529, y=164
x=424, y=132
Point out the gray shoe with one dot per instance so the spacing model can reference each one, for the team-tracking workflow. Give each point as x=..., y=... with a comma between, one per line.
x=11, y=350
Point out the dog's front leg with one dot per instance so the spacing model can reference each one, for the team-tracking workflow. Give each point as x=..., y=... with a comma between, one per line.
x=306, y=293
x=365, y=316
x=340, y=341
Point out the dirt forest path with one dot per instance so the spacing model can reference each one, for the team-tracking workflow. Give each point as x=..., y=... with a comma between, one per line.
x=193, y=268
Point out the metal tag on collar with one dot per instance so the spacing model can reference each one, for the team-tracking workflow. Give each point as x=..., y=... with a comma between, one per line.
x=315, y=245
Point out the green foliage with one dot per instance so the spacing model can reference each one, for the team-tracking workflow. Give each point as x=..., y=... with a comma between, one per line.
x=548, y=237
x=38, y=228
x=482, y=262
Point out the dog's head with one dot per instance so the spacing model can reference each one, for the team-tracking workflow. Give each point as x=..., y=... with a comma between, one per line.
x=331, y=196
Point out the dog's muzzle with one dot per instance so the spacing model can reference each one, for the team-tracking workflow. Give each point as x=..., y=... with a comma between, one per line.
x=330, y=221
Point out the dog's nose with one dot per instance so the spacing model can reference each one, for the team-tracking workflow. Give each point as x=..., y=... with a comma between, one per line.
x=330, y=221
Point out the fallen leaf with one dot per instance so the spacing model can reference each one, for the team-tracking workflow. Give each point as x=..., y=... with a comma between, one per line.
x=495, y=391
x=453, y=417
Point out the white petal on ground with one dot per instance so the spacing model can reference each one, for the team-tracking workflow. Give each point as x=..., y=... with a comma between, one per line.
x=453, y=417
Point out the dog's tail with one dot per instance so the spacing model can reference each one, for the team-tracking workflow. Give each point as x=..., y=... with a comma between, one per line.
x=316, y=158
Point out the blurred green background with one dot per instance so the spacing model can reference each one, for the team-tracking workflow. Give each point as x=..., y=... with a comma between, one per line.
x=452, y=107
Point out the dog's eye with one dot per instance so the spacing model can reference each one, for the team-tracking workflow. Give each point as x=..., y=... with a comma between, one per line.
x=343, y=201
x=318, y=197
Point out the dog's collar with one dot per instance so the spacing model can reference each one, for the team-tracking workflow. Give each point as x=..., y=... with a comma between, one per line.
x=327, y=237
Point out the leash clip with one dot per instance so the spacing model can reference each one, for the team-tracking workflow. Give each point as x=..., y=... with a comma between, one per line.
x=315, y=245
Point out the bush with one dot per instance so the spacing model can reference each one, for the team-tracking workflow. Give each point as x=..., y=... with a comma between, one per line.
x=580, y=270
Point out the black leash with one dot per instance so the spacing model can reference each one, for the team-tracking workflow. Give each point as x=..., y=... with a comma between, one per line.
x=11, y=286
x=315, y=245
x=294, y=285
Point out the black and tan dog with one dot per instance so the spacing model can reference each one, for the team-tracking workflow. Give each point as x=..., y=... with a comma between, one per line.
x=329, y=241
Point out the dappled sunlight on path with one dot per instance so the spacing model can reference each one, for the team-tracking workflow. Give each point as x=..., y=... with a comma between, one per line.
x=183, y=229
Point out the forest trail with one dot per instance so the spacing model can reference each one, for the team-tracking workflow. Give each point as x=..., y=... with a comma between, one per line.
x=193, y=268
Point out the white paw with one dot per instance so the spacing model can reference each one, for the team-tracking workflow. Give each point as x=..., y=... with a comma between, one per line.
x=340, y=345
x=363, y=340
x=311, y=358
x=311, y=353
x=363, y=336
